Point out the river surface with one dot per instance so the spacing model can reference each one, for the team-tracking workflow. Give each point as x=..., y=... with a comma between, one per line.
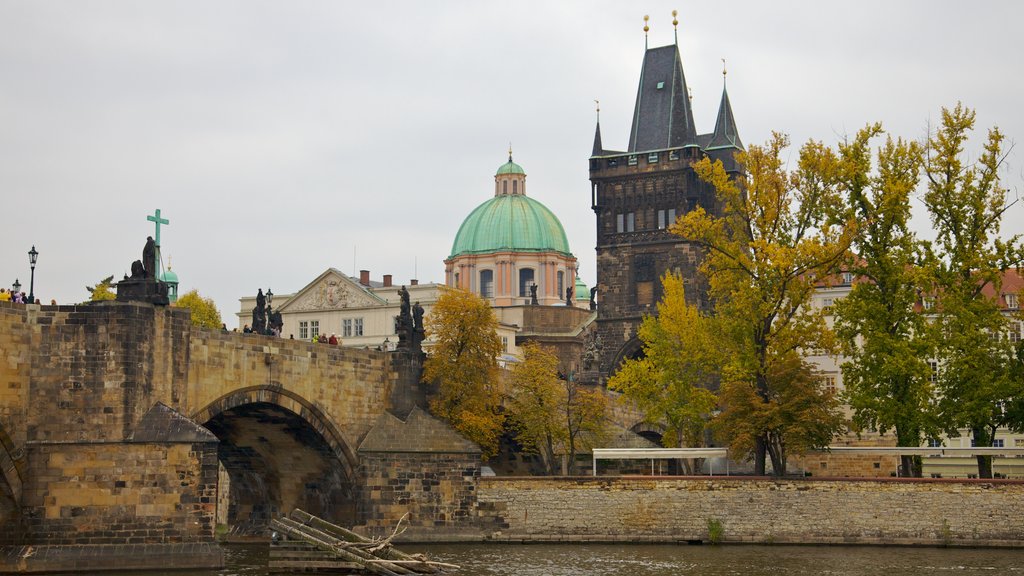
x=659, y=560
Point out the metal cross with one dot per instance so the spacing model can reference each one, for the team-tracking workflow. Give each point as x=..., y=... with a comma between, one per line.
x=156, y=219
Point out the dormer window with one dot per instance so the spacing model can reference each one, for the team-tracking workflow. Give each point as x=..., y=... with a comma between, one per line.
x=847, y=278
x=1011, y=301
x=631, y=160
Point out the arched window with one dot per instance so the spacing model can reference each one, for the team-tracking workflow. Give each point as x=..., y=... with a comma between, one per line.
x=504, y=187
x=515, y=186
x=525, y=281
x=487, y=283
x=561, y=283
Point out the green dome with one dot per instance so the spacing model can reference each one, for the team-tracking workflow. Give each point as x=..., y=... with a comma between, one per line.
x=582, y=292
x=169, y=276
x=510, y=167
x=510, y=223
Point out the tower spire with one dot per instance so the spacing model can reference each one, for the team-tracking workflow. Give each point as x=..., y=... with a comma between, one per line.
x=646, y=29
x=726, y=135
x=675, y=26
x=598, y=146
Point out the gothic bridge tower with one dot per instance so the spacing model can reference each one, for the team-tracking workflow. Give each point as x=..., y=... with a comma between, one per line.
x=638, y=193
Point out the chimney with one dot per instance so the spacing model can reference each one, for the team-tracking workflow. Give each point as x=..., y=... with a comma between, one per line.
x=364, y=277
x=414, y=282
x=387, y=280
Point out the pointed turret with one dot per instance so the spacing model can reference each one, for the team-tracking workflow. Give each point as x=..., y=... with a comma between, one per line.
x=726, y=135
x=598, y=147
x=662, y=117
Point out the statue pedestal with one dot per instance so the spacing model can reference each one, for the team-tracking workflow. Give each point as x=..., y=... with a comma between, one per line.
x=143, y=290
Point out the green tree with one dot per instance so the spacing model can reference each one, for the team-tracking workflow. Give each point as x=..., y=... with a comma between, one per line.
x=885, y=335
x=463, y=364
x=102, y=290
x=966, y=203
x=204, y=311
x=773, y=243
x=670, y=383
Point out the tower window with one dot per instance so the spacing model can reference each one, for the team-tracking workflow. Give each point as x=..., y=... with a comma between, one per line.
x=487, y=283
x=515, y=187
x=661, y=219
x=504, y=187
x=631, y=160
x=561, y=282
x=630, y=222
x=620, y=223
x=652, y=158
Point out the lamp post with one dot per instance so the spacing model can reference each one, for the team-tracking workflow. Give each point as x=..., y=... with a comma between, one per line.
x=270, y=297
x=32, y=256
x=16, y=287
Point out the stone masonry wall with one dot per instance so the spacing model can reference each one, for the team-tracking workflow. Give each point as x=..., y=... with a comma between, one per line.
x=891, y=511
x=120, y=493
x=437, y=490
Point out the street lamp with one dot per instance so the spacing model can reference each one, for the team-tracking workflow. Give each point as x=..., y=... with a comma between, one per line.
x=270, y=297
x=16, y=286
x=32, y=257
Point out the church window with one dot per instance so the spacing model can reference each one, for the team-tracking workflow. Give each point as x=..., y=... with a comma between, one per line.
x=346, y=328
x=314, y=328
x=487, y=283
x=620, y=223
x=652, y=158
x=661, y=219
x=457, y=280
x=630, y=222
x=515, y=186
x=303, y=330
x=504, y=187
x=671, y=216
x=525, y=281
x=631, y=160
x=358, y=328
x=561, y=282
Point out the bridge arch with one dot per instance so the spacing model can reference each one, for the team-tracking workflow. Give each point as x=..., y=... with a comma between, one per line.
x=630, y=349
x=278, y=451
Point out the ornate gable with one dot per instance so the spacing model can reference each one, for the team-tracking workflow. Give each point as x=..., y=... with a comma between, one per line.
x=332, y=290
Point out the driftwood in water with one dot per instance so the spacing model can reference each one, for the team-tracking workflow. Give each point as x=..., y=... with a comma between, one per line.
x=325, y=542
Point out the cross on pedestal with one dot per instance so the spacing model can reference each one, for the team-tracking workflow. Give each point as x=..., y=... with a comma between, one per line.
x=156, y=219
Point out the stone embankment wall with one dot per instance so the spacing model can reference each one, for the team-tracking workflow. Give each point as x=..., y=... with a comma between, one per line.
x=839, y=511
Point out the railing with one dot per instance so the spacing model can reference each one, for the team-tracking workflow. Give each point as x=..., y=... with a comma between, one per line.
x=653, y=454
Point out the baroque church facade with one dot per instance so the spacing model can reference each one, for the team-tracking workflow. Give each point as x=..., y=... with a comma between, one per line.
x=637, y=193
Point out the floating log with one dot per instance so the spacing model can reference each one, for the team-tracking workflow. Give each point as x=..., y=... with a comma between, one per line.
x=313, y=544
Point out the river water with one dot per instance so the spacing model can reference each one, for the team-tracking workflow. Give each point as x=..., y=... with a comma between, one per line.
x=664, y=560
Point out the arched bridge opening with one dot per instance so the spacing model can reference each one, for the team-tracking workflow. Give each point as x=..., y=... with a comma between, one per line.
x=278, y=453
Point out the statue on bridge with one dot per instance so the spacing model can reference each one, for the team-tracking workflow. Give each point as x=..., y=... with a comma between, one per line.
x=145, y=284
x=405, y=327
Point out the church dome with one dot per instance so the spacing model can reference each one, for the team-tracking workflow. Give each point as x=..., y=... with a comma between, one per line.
x=510, y=223
x=169, y=276
x=582, y=292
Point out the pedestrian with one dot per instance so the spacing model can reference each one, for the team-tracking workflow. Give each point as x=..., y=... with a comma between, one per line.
x=4, y=296
x=247, y=330
x=333, y=340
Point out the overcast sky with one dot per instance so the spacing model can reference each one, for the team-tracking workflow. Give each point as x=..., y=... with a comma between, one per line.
x=283, y=138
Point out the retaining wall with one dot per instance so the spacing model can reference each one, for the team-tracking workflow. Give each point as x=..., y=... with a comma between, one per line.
x=756, y=510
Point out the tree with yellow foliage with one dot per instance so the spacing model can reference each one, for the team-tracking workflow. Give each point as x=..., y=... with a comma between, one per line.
x=204, y=311
x=552, y=414
x=671, y=383
x=463, y=364
x=772, y=244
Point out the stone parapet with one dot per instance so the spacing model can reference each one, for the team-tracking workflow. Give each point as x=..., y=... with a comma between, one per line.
x=30, y=559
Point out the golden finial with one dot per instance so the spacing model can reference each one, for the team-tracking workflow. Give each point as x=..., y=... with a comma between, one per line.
x=510, y=151
x=675, y=26
x=168, y=263
x=598, y=104
x=675, y=21
x=646, y=28
x=724, y=71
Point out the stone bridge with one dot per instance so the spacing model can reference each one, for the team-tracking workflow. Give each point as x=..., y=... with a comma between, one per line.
x=120, y=422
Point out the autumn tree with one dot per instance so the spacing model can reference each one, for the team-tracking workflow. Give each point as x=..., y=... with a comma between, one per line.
x=966, y=203
x=102, y=290
x=204, y=311
x=773, y=243
x=463, y=364
x=671, y=382
x=551, y=413
x=884, y=333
